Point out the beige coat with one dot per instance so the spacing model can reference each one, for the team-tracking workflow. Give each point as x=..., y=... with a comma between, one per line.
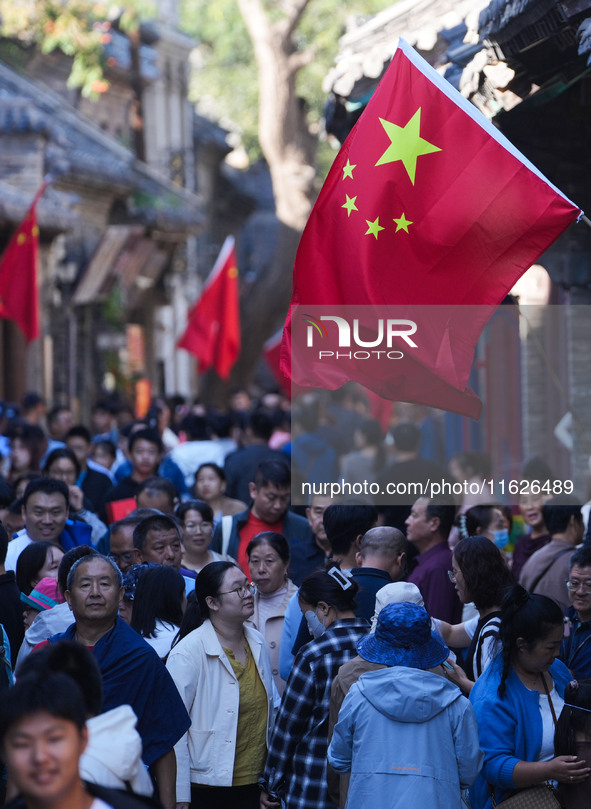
x=273, y=629
x=207, y=684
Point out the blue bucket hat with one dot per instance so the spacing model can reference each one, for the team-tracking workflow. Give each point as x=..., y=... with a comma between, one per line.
x=403, y=637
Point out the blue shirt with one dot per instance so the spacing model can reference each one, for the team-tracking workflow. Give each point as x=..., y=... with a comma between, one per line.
x=509, y=728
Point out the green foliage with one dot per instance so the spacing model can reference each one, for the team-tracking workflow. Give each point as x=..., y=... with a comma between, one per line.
x=114, y=310
x=225, y=80
x=78, y=28
x=226, y=74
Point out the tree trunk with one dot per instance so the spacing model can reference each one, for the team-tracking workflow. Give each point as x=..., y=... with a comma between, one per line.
x=290, y=150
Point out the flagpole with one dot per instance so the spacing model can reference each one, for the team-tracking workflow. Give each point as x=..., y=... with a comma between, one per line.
x=227, y=248
x=42, y=188
x=586, y=220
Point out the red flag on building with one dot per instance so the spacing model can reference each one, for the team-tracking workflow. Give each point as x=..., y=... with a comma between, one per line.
x=213, y=330
x=19, y=268
x=425, y=204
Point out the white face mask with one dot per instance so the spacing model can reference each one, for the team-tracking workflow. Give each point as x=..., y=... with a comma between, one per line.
x=316, y=628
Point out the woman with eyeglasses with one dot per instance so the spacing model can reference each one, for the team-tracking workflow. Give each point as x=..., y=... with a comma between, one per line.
x=196, y=518
x=481, y=576
x=223, y=673
x=296, y=767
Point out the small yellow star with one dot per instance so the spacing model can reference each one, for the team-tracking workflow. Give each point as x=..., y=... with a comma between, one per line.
x=402, y=223
x=373, y=227
x=350, y=204
x=348, y=169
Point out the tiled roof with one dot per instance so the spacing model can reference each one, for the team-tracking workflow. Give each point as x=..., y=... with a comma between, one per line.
x=80, y=150
x=495, y=53
x=53, y=209
x=431, y=26
x=501, y=13
x=208, y=133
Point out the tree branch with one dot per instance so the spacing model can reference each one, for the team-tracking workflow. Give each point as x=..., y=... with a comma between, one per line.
x=300, y=59
x=293, y=10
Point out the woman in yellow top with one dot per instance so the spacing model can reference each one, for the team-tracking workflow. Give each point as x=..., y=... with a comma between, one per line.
x=223, y=673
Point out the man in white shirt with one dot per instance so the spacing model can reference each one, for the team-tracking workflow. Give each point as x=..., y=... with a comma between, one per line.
x=46, y=505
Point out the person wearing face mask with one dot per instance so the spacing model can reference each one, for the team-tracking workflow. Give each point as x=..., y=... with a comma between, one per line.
x=480, y=575
x=296, y=767
x=488, y=521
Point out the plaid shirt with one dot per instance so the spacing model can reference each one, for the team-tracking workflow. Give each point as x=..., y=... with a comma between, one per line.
x=296, y=764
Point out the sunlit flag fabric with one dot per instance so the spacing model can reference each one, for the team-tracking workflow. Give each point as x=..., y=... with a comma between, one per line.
x=213, y=329
x=425, y=204
x=19, y=268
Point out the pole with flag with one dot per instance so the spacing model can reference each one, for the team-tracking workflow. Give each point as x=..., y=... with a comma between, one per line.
x=213, y=329
x=19, y=271
x=426, y=205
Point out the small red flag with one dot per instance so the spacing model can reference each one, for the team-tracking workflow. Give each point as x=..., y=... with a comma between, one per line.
x=426, y=203
x=19, y=268
x=213, y=329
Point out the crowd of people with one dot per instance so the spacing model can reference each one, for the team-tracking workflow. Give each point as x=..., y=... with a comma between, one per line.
x=175, y=632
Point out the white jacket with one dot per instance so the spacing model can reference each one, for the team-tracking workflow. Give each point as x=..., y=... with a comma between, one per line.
x=46, y=623
x=112, y=757
x=18, y=543
x=205, y=679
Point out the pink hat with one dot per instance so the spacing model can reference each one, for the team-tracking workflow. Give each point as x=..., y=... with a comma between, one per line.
x=44, y=595
x=48, y=586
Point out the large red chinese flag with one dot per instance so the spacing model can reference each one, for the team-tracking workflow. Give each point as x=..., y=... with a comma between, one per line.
x=426, y=203
x=213, y=330
x=19, y=267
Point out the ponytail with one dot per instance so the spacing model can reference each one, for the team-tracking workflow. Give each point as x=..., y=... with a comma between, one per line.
x=528, y=616
x=334, y=587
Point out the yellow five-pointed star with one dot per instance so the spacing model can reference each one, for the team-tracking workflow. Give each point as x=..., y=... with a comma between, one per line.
x=406, y=144
x=402, y=223
x=350, y=204
x=373, y=227
x=348, y=169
